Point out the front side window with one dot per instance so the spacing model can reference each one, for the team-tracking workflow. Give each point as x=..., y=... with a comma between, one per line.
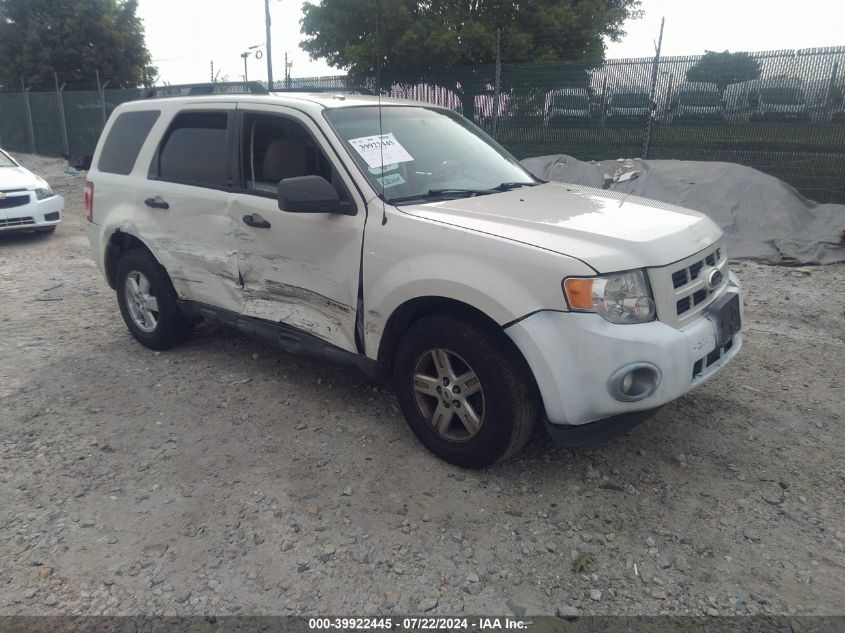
x=194, y=150
x=274, y=148
x=414, y=150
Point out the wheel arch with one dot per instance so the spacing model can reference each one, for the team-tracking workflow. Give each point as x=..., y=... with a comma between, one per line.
x=412, y=310
x=121, y=242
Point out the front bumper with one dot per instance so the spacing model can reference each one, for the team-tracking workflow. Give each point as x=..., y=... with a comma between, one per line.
x=30, y=214
x=573, y=356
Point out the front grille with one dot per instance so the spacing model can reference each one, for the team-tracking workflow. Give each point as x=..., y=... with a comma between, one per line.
x=10, y=202
x=16, y=222
x=681, y=290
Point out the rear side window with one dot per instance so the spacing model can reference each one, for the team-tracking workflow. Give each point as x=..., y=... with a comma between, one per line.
x=127, y=135
x=194, y=150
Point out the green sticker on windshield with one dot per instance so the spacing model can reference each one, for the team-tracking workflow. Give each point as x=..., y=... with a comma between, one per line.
x=391, y=181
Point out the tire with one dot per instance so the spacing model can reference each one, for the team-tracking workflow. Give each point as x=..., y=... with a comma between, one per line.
x=46, y=229
x=160, y=328
x=499, y=391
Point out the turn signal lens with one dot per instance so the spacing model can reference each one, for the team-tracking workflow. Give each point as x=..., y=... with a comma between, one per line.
x=579, y=293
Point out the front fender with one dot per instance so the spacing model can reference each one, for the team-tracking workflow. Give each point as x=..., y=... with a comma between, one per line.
x=411, y=257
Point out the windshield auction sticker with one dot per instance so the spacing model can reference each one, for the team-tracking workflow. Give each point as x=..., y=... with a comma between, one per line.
x=381, y=150
x=391, y=180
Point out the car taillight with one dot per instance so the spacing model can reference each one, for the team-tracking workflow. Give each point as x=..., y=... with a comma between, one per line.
x=89, y=200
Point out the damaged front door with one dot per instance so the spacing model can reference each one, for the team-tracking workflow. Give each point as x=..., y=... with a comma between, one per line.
x=297, y=269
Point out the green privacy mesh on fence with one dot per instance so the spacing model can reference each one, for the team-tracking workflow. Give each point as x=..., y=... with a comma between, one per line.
x=46, y=123
x=14, y=134
x=782, y=112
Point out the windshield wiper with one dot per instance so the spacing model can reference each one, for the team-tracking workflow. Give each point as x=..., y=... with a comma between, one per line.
x=436, y=193
x=507, y=186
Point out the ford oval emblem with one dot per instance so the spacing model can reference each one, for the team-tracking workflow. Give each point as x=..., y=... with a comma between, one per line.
x=714, y=279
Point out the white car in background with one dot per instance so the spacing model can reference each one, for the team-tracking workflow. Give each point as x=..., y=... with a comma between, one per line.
x=26, y=201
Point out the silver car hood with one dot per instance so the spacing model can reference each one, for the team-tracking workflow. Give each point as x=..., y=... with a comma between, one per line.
x=607, y=230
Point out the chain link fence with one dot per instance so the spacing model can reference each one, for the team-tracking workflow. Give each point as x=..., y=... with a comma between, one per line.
x=782, y=112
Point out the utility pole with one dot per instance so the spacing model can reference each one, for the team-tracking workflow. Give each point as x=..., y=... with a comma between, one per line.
x=287, y=71
x=269, y=45
x=212, y=71
x=653, y=93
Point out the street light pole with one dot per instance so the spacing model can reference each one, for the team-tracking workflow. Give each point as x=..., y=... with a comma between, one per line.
x=245, y=55
x=269, y=45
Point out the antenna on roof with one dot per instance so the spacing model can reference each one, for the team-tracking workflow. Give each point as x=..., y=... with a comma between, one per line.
x=380, y=125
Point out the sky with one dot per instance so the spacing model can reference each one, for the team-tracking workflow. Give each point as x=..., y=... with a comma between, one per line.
x=226, y=28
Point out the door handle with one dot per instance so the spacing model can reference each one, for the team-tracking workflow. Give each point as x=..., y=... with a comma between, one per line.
x=157, y=203
x=256, y=221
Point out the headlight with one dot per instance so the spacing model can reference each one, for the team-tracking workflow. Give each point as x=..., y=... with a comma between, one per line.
x=43, y=193
x=619, y=298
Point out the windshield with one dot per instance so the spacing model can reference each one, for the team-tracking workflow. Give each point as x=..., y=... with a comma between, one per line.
x=5, y=161
x=788, y=96
x=631, y=100
x=570, y=102
x=423, y=149
x=711, y=99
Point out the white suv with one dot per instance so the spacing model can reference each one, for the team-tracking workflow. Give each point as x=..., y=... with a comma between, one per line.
x=399, y=238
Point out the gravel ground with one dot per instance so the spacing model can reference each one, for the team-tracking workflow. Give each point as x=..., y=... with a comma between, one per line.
x=224, y=477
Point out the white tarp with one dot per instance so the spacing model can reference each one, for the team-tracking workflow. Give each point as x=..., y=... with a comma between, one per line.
x=763, y=218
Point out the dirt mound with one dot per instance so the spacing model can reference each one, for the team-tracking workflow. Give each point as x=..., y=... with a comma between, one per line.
x=763, y=217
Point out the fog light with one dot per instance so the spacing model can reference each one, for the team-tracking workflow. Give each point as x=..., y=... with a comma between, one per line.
x=51, y=217
x=634, y=382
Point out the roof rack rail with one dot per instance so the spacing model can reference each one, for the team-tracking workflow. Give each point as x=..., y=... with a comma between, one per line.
x=335, y=90
x=220, y=87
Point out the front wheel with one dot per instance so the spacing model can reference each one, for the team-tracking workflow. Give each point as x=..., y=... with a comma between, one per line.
x=147, y=302
x=464, y=391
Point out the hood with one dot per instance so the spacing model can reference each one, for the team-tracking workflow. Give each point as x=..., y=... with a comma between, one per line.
x=19, y=178
x=609, y=231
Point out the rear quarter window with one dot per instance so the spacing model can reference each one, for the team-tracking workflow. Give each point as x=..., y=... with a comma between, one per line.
x=125, y=139
x=194, y=151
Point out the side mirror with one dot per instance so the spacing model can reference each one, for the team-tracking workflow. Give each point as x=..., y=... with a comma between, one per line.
x=311, y=194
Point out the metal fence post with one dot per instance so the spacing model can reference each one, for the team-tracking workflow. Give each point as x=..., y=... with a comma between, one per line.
x=653, y=93
x=60, y=100
x=498, y=87
x=101, y=92
x=30, y=128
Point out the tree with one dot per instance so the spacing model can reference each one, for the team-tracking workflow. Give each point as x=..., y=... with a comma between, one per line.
x=72, y=38
x=447, y=42
x=724, y=69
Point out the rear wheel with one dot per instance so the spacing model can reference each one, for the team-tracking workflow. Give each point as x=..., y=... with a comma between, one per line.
x=147, y=302
x=464, y=391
